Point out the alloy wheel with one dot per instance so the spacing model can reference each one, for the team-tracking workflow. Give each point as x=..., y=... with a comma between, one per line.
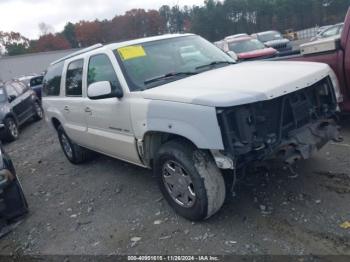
x=178, y=184
x=66, y=146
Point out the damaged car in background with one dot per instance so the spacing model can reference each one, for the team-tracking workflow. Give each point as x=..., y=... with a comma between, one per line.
x=181, y=106
x=13, y=204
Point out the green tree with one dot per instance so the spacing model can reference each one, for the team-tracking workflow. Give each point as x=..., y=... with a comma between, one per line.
x=16, y=49
x=69, y=33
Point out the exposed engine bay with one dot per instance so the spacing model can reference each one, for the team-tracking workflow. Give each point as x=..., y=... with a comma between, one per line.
x=288, y=128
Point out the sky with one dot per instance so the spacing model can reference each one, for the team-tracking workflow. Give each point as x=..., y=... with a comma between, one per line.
x=24, y=16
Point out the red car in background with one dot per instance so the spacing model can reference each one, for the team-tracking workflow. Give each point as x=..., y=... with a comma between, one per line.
x=248, y=48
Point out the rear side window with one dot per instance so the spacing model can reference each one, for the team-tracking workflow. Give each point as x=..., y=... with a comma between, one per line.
x=101, y=69
x=52, y=80
x=74, y=78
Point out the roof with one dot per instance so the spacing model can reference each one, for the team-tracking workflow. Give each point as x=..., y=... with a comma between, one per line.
x=267, y=32
x=144, y=40
x=239, y=39
x=235, y=36
x=121, y=44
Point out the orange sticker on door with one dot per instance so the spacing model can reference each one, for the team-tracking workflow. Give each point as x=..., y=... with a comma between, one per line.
x=131, y=52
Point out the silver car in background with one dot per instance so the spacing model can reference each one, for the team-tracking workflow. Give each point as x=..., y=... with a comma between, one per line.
x=275, y=40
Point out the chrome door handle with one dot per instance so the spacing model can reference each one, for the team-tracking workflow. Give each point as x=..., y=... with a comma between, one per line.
x=66, y=108
x=88, y=110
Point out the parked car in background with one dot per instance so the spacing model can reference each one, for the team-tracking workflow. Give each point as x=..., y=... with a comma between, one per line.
x=334, y=51
x=25, y=79
x=330, y=31
x=248, y=48
x=36, y=83
x=179, y=105
x=235, y=36
x=219, y=44
x=322, y=28
x=13, y=203
x=18, y=103
x=275, y=40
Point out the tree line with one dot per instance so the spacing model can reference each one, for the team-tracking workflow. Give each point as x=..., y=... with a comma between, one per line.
x=213, y=20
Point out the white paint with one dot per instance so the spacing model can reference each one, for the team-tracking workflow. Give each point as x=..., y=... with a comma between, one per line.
x=322, y=45
x=241, y=84
x=98, y=89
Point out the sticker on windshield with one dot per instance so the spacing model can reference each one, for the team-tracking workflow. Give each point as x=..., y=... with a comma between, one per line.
x=131, y=52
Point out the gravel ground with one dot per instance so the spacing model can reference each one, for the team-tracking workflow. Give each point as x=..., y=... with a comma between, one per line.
x=110, y=207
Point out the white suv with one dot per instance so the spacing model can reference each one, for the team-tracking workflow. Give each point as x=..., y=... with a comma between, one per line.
x=181, y=106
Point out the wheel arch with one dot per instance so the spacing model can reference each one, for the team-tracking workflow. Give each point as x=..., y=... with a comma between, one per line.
x=55, y=123
x=153, y=140
x=13, y=116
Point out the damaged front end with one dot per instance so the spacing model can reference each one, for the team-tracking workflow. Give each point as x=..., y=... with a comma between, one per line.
x=288, y=128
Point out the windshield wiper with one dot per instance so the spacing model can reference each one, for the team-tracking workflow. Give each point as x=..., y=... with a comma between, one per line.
x=215, y=63
x=158, y=78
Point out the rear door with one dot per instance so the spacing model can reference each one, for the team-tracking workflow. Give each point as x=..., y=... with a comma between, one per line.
x=72, y=102
x=25, y=95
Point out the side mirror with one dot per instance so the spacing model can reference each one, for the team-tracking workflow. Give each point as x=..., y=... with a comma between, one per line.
x=102, y=90
x=11, y=98
x=233, y=55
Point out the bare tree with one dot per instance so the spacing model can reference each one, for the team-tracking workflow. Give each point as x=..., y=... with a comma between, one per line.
x=45, y=29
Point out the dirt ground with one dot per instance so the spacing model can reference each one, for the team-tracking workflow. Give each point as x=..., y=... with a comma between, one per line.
x=110, y=207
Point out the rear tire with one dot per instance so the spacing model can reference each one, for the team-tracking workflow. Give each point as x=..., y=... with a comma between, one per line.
x=189, y=180
x=74, y=153
x=11, y=132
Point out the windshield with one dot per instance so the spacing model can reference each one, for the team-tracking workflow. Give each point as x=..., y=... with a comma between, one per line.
x=265, y=37
x=245, y=46
x=168, y=60
x=36, y=81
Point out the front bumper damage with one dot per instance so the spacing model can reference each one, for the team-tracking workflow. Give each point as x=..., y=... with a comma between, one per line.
x=287, y=128
x=303, y=143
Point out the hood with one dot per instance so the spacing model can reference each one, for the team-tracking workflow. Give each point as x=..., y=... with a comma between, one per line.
x=277, y=42
x=241, y=83
x=257, y=53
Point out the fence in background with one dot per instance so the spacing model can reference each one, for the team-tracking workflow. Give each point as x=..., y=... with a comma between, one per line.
x=307, y=33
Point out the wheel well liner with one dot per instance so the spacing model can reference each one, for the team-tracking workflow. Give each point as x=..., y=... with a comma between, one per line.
x=13, y=116
x=55, y=122
x=152, y=141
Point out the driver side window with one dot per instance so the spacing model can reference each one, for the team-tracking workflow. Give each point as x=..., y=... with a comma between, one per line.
x=101, y=69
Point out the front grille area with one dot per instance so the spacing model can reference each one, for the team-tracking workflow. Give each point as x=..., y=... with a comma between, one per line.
x=280, y=46
x=264, y=125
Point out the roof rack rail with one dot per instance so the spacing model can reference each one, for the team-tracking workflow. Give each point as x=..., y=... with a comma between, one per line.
x=90, y=48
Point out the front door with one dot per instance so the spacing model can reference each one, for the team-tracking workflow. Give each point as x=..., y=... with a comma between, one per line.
x=72, y=104
x=108, y=120
x=15, y=102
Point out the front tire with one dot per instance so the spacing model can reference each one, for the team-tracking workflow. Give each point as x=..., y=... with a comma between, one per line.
x=189, y=180
x=74, y=153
